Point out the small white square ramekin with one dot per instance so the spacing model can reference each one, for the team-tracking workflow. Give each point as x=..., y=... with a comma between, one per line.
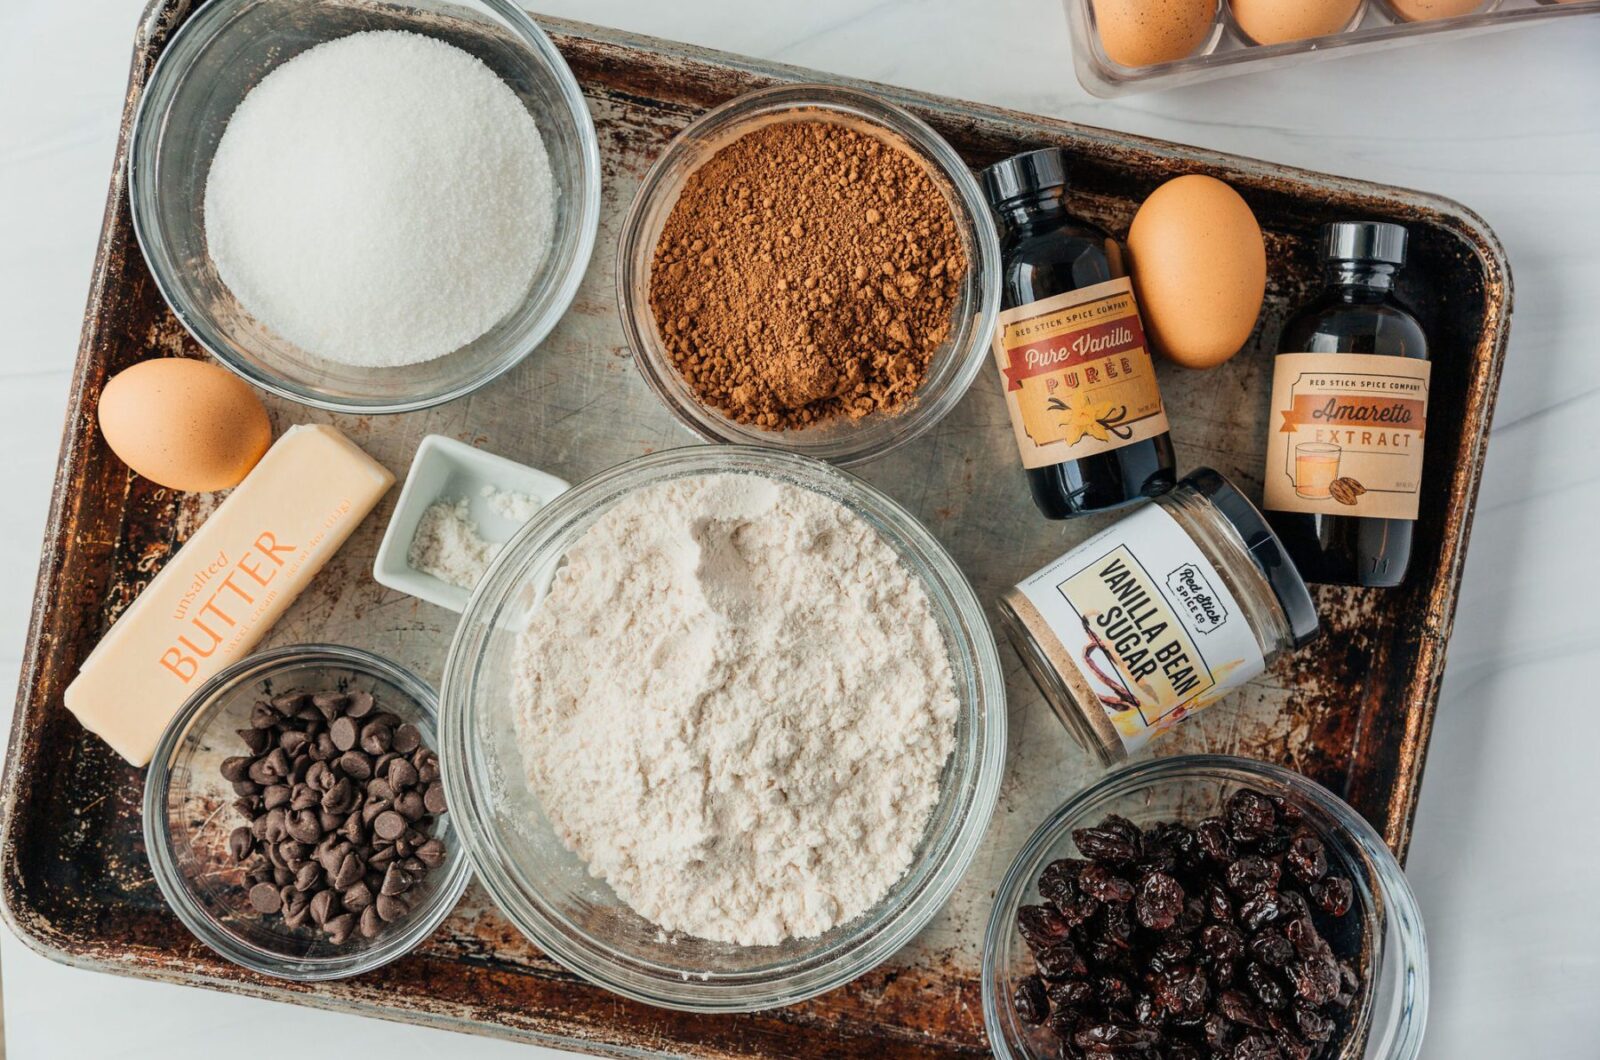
x=448, y=470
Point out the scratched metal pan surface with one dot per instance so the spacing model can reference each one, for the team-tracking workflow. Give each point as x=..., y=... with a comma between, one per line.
x=1353, y=711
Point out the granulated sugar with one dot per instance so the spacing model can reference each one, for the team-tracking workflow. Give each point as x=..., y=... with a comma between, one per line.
x=736, y=706
x=381, y=199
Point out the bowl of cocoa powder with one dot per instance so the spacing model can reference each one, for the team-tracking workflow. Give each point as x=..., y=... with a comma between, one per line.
x=812, y=268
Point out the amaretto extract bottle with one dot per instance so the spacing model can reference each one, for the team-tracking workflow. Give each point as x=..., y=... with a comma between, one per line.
x=1349, y=403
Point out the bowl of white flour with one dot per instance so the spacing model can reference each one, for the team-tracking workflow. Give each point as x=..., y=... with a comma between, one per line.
x=365, y=207
x=722, y=728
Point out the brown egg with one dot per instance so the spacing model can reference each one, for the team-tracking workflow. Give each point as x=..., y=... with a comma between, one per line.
x=1146, y=32
x=184, y=424
x=1423, y=10
x=1199, y=270
x=1276, y=21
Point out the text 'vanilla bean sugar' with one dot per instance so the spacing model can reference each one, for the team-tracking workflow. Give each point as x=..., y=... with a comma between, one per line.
x=807, y=271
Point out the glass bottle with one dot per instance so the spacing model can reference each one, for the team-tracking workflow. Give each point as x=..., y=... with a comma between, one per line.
x=1080, y=382
x=1350, y=389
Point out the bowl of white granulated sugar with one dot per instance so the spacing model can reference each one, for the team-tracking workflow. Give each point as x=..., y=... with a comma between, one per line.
x=722, y=728
x=365, y=207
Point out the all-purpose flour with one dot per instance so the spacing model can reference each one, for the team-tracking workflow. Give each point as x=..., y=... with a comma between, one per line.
x=736, y=708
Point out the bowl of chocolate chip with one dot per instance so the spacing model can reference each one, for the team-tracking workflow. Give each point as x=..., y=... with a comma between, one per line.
x=811, y=268
x=1205, y=906
x=294, y=815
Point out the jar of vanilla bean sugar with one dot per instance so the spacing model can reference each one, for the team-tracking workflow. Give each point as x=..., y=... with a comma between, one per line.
x=1159, y=616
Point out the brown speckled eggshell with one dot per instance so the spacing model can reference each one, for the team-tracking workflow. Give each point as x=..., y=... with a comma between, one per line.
x=1199, y=269
x=1146, y=32
x=1277, y=21
x=184, y=424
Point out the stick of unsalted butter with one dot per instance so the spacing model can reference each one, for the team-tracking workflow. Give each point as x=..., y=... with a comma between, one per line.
x=226, y=586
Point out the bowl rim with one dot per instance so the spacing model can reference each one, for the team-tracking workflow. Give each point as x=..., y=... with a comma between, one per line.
x=1392, y=888
x=738, y=113
x=848, y=957
x=169, y=70
x=174, y=886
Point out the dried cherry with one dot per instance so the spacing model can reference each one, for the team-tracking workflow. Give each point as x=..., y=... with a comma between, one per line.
x=1030, y=1001
x=1190, y=941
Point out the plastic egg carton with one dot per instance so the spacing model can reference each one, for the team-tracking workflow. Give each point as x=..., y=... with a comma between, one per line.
x=1227, y=50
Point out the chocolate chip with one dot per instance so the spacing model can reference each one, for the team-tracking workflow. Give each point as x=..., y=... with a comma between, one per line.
x=396, y=881
x=372, y=923
x=344, y=733
x=389, y=825
x=351, y=869
x=262, y=716
x=324, y=904
x=240, y=843
x=355, y=764
x=357, y=897
x=360, y=704
x=339, y=928
x=341, y=798
x=255, y=739
x=409, y=804
x=391, y=907
x=433, y=798
x=276, y=795
x=401, y=774
x=265, y=899
x=431, y=853
x=236, y=768
x=293, y=742
x=375, y=738
x=305, y=826
x=407, y=738
x=307, y=876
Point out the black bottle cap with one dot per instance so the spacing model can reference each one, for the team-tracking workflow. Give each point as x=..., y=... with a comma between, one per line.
x=1025, y=175
x=1271, y=558
x=1364, y=241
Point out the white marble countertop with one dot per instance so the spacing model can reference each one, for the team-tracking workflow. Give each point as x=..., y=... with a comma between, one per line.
x=1506, y=858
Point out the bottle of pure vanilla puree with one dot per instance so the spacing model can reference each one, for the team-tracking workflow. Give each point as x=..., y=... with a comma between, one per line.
x=1159, y=616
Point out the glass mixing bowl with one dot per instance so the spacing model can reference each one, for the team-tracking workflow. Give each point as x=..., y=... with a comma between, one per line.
x=221, y=52
x=188, y=816
x=1383, y=927
x=546, y=890
x=955, y=364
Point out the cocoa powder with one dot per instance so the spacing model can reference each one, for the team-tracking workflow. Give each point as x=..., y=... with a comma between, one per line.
x=807, y=271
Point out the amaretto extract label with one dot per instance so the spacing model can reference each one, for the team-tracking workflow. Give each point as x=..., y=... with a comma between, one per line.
x=1346, y=434
x=1148, y=622
x=1079, y=378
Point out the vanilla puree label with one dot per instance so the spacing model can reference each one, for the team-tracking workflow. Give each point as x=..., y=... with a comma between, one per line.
x=1148, y=622
x=1346, y=434
x=1079, y=379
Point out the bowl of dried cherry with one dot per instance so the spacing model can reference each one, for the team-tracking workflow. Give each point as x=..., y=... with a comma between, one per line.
x=1202, y=907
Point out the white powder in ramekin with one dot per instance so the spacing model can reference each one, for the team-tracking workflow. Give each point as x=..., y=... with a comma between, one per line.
x=736, y=707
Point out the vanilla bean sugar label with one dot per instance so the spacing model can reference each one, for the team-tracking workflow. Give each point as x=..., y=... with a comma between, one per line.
x=1146, y=623
x=1346, y=434
x=1079, y=378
